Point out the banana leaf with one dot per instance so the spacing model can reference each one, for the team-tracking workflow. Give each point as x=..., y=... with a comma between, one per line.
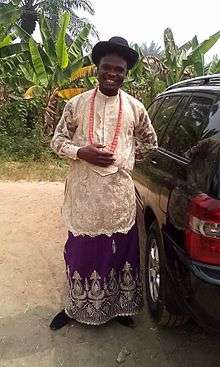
x=21, y=33
x=77, y=45
x=27, y=71
x=83, y=72
x=73, y=67
x=214, y=66
x=207, y=44
x=70, y=92
x=34, y=91
x=196, y=58
x=6, y=41
x=12, y=49
x=186, y=46
x=170, y=48
x=47, y=39
x=61, y=48
x=9, y=14
x=38, y=64
x=217, y=67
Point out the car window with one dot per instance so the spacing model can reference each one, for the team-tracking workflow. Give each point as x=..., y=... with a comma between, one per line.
x=164, y=114
x=165, y=142
x=152, y=109
x=191, y=126
x=213, y=128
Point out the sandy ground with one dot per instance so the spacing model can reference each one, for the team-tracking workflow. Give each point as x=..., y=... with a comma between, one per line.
x=33, y=289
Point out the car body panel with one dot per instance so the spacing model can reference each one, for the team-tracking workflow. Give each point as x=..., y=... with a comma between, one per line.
x=165, y=183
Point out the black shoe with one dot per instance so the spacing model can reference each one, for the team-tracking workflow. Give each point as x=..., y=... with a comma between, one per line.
x=60, y=320
x=125, y=320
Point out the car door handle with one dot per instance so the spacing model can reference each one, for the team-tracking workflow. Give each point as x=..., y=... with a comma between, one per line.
x=153, y=162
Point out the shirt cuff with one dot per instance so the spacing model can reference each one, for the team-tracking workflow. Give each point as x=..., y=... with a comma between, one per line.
x=71, y=151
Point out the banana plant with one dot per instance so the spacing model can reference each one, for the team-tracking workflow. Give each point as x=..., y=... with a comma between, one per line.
x=9, y=14
x=214, y=66
x=56, y=69
x=9, y=60
x=145, y=80
x=27, y=13
x=152, y=75
x=188, y=60
x=53, y=63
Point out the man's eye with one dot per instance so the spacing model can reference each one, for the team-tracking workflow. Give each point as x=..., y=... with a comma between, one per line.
x=105, y=67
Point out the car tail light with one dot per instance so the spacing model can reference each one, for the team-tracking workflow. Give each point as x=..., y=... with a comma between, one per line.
x=203, y=229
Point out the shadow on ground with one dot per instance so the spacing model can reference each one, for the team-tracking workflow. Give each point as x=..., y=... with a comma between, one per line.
x=87, y=346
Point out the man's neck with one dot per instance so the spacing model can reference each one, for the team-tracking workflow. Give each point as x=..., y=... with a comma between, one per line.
x=108, y=94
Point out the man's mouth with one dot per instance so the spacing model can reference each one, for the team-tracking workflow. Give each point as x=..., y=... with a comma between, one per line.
x=110, y=82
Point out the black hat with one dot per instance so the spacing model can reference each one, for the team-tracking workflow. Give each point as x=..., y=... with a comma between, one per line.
x=116, y=45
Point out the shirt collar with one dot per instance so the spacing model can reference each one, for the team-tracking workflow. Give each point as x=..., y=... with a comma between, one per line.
x=107, y=98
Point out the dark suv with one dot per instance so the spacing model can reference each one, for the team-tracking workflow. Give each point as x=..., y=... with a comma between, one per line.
x=178, y=190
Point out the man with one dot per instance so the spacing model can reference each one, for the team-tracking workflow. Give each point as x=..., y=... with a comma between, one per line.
x=98, y=131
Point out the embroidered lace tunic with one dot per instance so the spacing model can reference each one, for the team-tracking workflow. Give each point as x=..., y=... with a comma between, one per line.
x=102, y=200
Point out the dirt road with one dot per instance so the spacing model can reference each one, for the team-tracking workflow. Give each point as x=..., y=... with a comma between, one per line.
x=33, y=288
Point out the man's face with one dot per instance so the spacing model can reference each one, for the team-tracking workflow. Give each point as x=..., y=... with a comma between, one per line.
x=112, y=71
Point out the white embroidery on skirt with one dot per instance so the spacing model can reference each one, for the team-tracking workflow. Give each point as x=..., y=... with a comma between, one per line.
x=95, y=302
x=114, y=247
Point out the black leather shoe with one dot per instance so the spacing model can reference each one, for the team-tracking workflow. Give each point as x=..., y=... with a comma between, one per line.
x=125, y=320
x=60, y=320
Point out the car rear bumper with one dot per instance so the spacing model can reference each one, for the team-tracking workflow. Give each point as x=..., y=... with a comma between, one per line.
x=200, y=292
x=204, y=302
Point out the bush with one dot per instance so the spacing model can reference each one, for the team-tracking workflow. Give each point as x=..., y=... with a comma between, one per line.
x=21, y=130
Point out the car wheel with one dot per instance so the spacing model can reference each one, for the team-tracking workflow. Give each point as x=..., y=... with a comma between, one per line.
x=160, y=298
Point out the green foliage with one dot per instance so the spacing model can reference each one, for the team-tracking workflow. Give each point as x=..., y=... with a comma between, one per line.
x=53, y=62
x=42, y=69
x=214, y=66
x=152, y=75
x=27, y=12
x=79, y=41
x=187, y=60
x=152, y=50
x=9, y=13
x=61, y=48
x=21, y=135
x=38, y=64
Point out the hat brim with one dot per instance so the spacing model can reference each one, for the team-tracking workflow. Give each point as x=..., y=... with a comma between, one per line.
x=105, y=47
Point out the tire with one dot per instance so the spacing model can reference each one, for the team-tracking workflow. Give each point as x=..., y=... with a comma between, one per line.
x=160, y=297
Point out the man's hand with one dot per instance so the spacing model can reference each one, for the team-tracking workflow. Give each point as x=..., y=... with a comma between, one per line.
x=93, y=154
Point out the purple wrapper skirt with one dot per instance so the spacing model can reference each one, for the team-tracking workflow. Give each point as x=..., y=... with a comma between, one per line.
x=104, y=276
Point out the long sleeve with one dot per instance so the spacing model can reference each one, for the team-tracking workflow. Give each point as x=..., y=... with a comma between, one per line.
x=145, y=136
x=61, y=142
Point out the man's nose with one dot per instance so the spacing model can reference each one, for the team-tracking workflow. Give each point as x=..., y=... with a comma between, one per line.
x=111, y=73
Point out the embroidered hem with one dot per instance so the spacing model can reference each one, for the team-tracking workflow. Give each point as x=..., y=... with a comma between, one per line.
x=97, y=324
x=94, y=301
x=102, y=231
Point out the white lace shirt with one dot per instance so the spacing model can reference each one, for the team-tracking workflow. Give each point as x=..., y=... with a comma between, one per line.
x=102, y=200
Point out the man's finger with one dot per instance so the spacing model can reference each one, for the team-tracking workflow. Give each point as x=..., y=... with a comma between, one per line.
x=105, y=158
x=104, y=153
